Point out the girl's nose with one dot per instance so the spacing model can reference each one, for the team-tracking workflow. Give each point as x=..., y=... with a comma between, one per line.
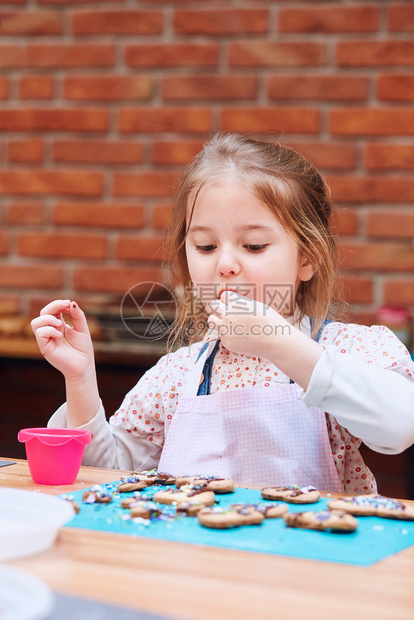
x=228, y=264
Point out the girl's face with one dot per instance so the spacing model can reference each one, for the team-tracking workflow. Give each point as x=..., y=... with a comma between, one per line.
x=235, y=242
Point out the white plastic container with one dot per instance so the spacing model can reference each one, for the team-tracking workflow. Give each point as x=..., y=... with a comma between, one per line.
x=30, y=521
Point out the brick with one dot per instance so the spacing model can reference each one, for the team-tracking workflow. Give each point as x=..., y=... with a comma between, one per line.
x=60, y=182
x=175, y=153
x=390, y=224
x=31, y=277
x=284, y=120
x=57, y=245
x=326, y=155
x=158, y=55
x=371, y=189
x=371, y=122
x=4, y=243
x=379, y=257
x=12, y=56
x=209, y=87
x=36, y=87
x=345, y=222
x=4, y=88
x=98, y=215
x=26, y=213
x=324, y=88
x=259, y=53
x=356, y=290
x=79, y=119
x=26, y=151
x=62, y=2
x=222, y=22
x=161, y=215
x=329, y=19
x=399, y=292
x=401, y=17
x=395, y=87
x=113, y=279
x=144, y=184
x=116, y=152
x=375, y=53
x=117, y=22
x=385, y=156
x=139, y=248
x=67, y=55
x=30, y=23
x=107, y=88
x=161, y=120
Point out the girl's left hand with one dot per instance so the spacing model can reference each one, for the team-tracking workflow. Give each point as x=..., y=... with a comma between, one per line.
x=248, y=326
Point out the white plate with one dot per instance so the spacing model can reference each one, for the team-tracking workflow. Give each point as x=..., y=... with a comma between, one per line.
x=30, y=521
x=23, y=597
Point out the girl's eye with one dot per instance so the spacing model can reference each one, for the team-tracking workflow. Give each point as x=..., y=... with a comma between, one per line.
x=256, y=248
x=205, y=248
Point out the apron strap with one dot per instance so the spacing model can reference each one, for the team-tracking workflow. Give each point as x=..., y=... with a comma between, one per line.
x=204, y=388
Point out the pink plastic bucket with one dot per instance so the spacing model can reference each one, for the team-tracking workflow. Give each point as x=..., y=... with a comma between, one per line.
x=54, y=455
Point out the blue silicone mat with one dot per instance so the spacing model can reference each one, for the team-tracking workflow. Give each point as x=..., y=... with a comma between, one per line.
x=374, y=539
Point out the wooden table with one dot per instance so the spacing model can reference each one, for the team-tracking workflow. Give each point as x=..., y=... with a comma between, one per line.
x=189, y=581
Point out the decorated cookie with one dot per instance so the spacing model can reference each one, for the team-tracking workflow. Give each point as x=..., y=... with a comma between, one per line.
x=292, y=494
x=127, y=501
x=190, y=493
x=131, y=483
x=233, y=516
x=189, y=509
x=374, y=505
x=212, y=483
x=144, y=510
x=335, y=520
x=75, y=505
x=153, y=476
x=270, y=511
x=96, y=495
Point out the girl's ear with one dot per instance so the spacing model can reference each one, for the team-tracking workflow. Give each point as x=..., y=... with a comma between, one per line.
x=306, y=268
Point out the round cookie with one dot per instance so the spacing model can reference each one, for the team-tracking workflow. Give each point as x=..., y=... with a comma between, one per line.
x=153, y=476
x=270, y=511
x=127, y=501
x=189, y=509
x=225, y=518
x=292, y=494
x=131, y=483
x=96, y=495
x=188, y=493
x=335, y=520
x=144, y=510
x=212, y=483
x=374, y=505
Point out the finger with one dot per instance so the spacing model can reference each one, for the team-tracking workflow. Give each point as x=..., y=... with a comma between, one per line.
x=214, y=323
x=56, y=307
x=231, y=297
x=78, y=317
x=44, y=334
x=217, y=307
x=44, y=320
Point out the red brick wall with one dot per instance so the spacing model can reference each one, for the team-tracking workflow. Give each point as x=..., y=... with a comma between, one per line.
x=102, y=106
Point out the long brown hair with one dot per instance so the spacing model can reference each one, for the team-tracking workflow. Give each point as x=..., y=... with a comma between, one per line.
x=291, y=187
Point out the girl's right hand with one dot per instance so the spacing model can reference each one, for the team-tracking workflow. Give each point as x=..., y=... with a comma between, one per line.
x=68, y=348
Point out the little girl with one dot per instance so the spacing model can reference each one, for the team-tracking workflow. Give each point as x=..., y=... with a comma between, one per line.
x=269, y=390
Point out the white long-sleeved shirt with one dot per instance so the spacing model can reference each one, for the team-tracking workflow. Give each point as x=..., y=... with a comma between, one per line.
x=364, y=381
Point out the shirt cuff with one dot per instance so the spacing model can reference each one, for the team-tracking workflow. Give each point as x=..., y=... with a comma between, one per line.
x=60, y=420
x=321, y=378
